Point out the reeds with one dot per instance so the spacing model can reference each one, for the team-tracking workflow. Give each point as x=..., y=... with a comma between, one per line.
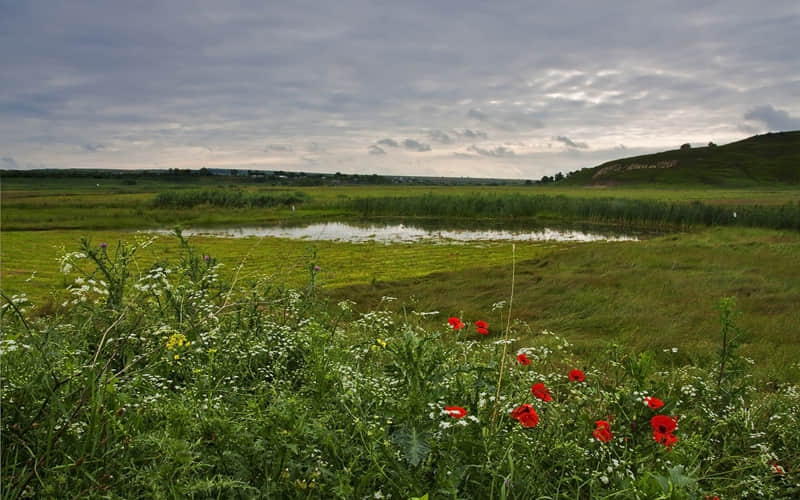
x=624, y=212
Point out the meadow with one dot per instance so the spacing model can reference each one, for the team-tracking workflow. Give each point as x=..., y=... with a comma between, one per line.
x=137, y=365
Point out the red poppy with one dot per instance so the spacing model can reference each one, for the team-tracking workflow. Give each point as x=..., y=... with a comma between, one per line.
x=577, y=376
x=540, y=391
x=455, y=411
x=667, y=439
x=483, y=331
x=777, y=469
x=602, y=431
x=456, y=323
x=526, y=415
x=653, y=403
x=663, y=427
x=523, y=359
x=481, y=324
x=602, y=424
x=663, y=424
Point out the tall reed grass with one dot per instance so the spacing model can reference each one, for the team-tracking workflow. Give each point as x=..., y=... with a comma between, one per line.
x=605, y=210
x=228, y=198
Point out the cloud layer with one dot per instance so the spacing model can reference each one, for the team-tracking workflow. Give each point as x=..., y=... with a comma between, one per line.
x=404, y=87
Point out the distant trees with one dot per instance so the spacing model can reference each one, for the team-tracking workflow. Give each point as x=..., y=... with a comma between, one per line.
x=547, y=179
x=686, y=146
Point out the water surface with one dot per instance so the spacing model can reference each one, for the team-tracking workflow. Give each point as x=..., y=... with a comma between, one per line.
x=389, y=233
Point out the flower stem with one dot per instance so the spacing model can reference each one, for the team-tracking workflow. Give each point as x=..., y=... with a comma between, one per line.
x=505, y=338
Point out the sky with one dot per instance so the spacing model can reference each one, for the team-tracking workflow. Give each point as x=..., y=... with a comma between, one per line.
x=445, y=88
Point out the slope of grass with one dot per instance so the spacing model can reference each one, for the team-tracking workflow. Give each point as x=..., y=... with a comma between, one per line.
x=760, y=160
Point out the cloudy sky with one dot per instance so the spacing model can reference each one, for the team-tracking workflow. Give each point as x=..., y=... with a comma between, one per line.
x=457, y=88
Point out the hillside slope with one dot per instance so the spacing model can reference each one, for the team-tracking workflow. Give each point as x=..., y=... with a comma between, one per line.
x=772, y=158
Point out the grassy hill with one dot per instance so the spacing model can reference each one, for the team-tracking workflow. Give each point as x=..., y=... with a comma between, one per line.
x=772, y=158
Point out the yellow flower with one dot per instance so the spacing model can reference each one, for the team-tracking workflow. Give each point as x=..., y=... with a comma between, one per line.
x=176, y=357
x=176, y=340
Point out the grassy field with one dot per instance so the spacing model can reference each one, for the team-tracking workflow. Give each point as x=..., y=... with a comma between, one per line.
x=82, y=204
x=215, y=372
x=653, y=294
x=182, y=385
x=657, y=292
x=343, y=264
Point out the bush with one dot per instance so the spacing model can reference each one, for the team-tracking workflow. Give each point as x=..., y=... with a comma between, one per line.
x=191, y=386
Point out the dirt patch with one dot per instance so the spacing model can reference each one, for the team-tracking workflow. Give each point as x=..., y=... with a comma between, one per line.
x=620, y=167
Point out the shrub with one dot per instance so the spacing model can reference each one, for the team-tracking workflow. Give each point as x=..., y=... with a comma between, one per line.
x=187, y=385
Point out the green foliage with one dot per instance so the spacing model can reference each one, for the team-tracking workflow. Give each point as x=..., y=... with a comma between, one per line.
x=731, y=363
x=192, y=386
x=619, y=211
x=413, y=443
x=228, y=198
x=77, y=203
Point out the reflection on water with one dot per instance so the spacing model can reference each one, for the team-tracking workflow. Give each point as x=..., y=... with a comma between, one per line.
x=403, y=233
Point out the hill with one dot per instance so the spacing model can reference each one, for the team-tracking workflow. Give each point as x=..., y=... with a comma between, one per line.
x=772, y=158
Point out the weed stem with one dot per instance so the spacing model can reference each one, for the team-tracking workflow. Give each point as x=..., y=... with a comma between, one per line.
x=505, y=337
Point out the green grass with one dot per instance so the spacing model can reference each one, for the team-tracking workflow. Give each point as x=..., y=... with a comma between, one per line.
x=620, y=211
x=333, y=389
x=24, y=252
x=184, y=384
x=654, y=294
x=769, y=159
x=657, y=293
x=34, y=204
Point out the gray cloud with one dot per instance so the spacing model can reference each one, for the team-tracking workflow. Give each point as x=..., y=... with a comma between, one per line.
x=498, y=152
x=92, y=148
x=439, y=136
x=9, y=163
x=376, y=150
x=773, y=119
x=156, y=83
x=570, y=143
x=389, y=142
x=412, y=145
x=508, y=118
x=477, y=114
x=522, y=119
x=473, y=134
x=279, y=148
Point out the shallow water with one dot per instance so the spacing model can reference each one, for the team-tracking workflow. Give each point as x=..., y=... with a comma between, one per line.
x=403, y=233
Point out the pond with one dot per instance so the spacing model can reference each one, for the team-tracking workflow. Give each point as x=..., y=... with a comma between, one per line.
x=415, y=232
